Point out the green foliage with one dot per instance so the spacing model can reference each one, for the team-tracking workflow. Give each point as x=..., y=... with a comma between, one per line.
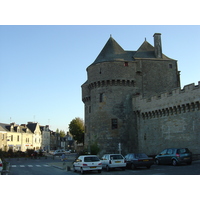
x=94, y=148
x=62, y=133
x=76, y=128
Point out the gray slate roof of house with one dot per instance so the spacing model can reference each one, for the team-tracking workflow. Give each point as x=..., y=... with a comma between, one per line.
x=112, y=51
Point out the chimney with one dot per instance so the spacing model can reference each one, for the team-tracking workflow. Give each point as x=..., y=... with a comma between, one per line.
x=157, y=45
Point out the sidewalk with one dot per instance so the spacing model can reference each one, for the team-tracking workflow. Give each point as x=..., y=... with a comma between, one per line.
x=62, y=165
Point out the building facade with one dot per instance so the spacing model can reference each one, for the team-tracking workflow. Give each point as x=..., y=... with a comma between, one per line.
x=117, y=110
x=21, y=137
x=45, y=137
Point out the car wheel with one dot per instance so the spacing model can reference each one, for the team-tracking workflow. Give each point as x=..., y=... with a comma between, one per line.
x=74, y=168
x=107, y=168
x=157, y=162
x=174, y=162
x=82, y=172
x=133, y=166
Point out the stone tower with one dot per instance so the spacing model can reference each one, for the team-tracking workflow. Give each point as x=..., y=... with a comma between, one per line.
x=114, y=78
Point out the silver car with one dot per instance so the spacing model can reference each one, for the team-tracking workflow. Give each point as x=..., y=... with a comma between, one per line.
x=111, y=161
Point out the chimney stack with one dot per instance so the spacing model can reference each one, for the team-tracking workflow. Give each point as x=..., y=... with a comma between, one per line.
x=157, y=45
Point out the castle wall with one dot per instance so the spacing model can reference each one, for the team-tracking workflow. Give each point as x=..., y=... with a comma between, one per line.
x=158, y=76
x=169, y=120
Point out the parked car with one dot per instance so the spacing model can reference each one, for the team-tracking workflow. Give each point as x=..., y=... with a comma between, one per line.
x=111, y=161
x=1, y=165
x=174, y=156
x=87, y=163
x=134, y=160
x=68, y=151
x=59, y=152
x=51, y=152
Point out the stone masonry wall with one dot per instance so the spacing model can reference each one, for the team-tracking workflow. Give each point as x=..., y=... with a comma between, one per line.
x=169, y=120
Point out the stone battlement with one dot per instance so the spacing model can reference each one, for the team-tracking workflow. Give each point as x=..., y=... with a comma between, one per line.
x=176, y=101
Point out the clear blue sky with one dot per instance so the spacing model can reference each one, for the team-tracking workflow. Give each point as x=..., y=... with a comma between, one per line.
x=42, y=68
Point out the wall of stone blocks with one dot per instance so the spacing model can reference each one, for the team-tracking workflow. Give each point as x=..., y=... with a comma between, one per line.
x=181, y=130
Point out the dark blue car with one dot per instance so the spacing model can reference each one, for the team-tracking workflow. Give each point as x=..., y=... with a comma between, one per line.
x=174, y=156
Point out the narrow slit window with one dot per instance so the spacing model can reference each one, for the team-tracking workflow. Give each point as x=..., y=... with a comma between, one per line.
x=101, y=97
x=114, y=123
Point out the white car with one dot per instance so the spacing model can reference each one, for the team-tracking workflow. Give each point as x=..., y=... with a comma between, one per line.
x=87, y=163
x=59, y=152
x=1, y=165
x=111, y=161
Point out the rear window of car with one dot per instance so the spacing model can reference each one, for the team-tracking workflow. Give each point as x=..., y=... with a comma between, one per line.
x=91, y=159
x=141, y=155
x=185, y=150
x=115, y=157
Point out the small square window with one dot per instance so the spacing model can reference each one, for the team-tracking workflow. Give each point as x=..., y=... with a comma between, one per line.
x=170, y=66
x=126, y=64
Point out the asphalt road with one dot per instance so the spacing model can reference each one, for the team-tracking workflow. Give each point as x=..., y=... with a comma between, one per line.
x=43, y=167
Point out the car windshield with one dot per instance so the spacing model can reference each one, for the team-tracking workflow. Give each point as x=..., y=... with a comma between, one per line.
x=91, y=159
x=141, y=155
x=115, y=157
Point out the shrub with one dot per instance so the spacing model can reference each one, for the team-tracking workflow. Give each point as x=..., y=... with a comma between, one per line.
x=94, y=148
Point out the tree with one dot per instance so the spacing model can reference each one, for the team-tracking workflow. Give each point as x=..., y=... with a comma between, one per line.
x=76, y=128
x=62, y=133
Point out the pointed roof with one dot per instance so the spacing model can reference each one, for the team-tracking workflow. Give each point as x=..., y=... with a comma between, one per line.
x=146, y=50
x=111, y=51
x=32, y=126
x=145, y=47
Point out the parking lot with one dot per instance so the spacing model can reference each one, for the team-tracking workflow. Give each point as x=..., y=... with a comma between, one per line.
x=193, y=169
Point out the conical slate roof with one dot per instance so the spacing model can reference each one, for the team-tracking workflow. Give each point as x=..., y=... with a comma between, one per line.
x=111, y=51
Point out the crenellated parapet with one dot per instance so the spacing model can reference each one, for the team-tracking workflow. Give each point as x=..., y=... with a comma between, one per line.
x=169, y=103
x=105, y=83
